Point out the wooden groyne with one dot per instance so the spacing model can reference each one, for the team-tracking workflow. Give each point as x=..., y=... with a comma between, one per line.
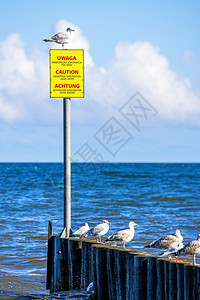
x=118, y=273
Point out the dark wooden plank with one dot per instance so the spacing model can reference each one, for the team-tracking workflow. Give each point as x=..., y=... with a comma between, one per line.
x=180, y=281
x=74, y=263
x=50, y=259
x=166, y=279
x=120, y=271
x=140, y=280
x=50, y=229
x=188, y=282
x=151, y=278
x=172, y=281
x=101, y=277
x=111, y=273
x=160, y=288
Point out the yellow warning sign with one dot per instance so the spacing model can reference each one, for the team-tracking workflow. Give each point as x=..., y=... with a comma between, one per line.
x=66, y=73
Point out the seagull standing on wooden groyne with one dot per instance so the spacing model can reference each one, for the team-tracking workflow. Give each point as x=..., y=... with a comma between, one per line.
x=171, y=253
x=82, y=230
x=61, y=37
x=191, y=249
x=168, y=242
x=99, y=230
x=123, y=236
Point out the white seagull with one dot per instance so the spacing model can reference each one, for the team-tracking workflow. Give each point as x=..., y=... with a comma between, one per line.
x=191, y=249
x=123, y=236
x=168, y=242
x=61, y=37
x=82, y=230
x=99, y=230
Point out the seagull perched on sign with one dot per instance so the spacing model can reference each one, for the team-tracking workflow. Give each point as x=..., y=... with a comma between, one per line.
x=61, y=37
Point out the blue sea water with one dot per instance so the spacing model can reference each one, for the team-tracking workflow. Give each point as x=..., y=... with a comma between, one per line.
x=159, y=197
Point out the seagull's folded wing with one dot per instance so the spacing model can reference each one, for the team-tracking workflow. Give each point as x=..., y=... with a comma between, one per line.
x=97, y=229
x=59, y=36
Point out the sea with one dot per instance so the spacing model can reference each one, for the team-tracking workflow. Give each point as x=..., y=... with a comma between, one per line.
x=159, y=197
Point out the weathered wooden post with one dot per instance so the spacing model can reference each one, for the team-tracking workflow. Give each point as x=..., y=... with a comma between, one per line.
x=120, y=271
x=50, y=229
x=64, y=265
x=85, y=265
x=172, y=281
x=180, y=281
x=74, y=263
x=188, y=282
x=111, y=273
x=166, y=279
x=160, y=295
x=140, y=280
x=196, y=284
x=101, y=278
x=57, y=265
x=130, y=276
x=151, y=278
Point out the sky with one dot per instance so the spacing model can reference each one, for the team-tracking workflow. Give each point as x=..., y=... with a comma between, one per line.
x=142, y=73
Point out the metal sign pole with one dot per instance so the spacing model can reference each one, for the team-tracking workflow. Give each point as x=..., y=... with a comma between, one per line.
x=67, y=165
x=66, y=79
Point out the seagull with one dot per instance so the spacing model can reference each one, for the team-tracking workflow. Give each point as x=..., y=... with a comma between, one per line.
x=82, y=230
x=172, y=251
x=99, y=230
x=61, y=37
x=123, y=236
x=168, y=242
x=191, y=249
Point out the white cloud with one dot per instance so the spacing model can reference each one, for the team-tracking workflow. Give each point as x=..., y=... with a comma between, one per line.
x=24, y=83
x=16, y=71
x=140, y=67
x=22, y=80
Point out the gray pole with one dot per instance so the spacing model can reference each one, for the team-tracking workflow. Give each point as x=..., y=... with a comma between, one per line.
x=67, y=165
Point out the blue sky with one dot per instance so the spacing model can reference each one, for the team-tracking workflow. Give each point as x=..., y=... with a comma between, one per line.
x=136, y=53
